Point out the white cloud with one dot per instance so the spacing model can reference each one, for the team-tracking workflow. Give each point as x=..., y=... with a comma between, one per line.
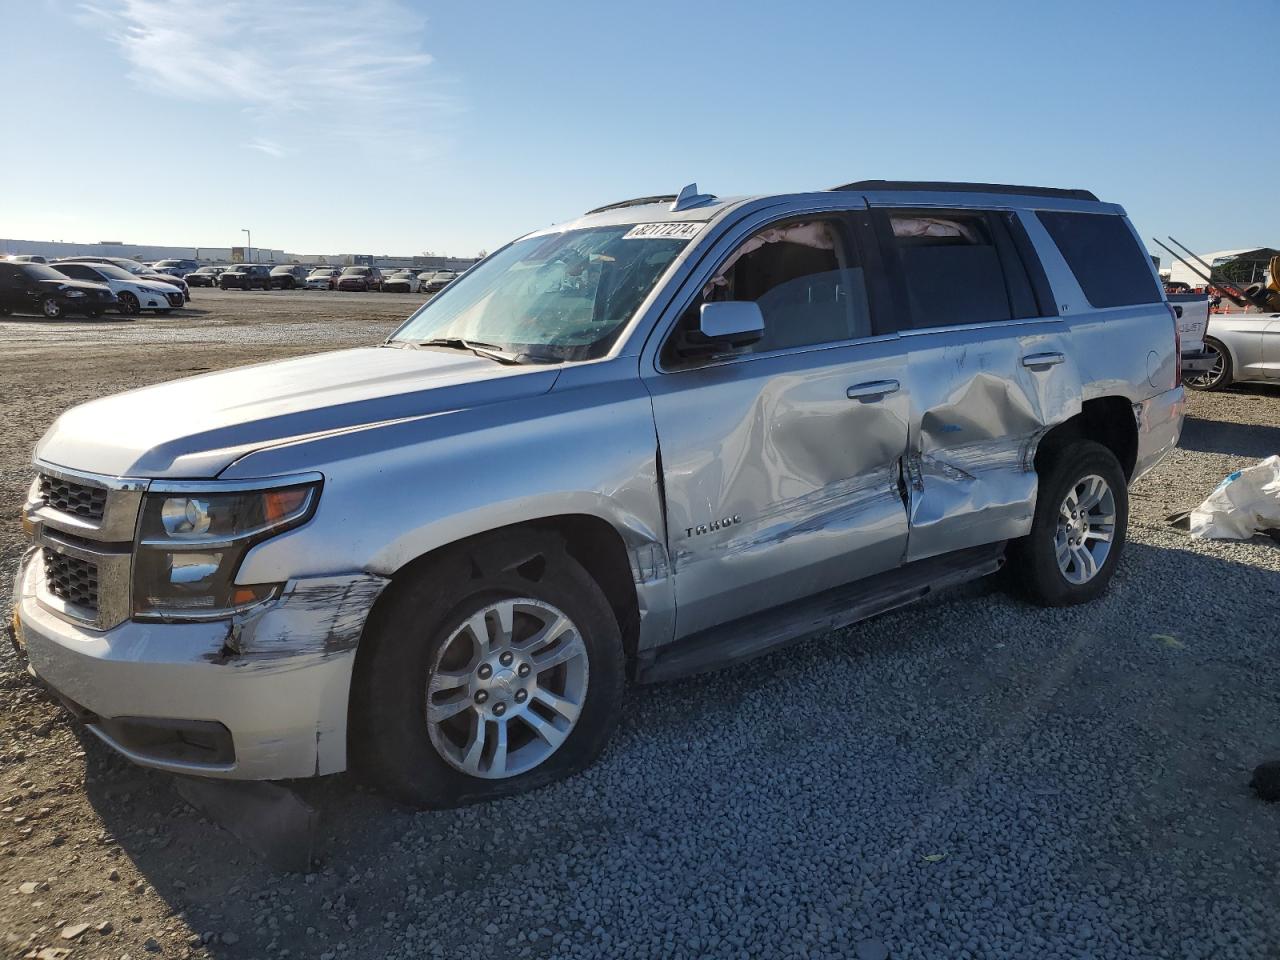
x=324, y=66
x=269, y=147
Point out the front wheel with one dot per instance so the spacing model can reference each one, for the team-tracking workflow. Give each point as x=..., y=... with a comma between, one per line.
x=1079, y=527
x=129, y=304
x=51, y=308
x=494, y=670
x=1216, y=377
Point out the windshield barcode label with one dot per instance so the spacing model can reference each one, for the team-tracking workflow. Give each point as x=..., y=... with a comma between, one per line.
x=685, y=230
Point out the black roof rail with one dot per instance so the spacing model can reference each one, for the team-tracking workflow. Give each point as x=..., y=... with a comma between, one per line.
x=637, y=202
x=942, y=186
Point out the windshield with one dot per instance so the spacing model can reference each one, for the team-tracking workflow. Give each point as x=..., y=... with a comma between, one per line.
x=209, y=270
x=114, y=272
x=38, y=271
x=168, y=263
x=356, y=270
x=565, y=296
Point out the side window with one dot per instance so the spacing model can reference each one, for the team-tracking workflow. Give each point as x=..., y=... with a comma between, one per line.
x=958, y=267
x=78, y=272
x=1100, y=249
x=805, y=275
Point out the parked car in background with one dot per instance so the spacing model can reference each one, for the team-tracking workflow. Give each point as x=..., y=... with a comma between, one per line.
x=176, y=267
x=133, y=294
x=134, y=267
x=730, y=424
x=402, y=281
x=289, y=276
x=204, y=277
x=323, y=278
x=245, y=276
x=360, y=278
x=26, y=258
x=1241, y=348
x=435, y=281
x=28, y=287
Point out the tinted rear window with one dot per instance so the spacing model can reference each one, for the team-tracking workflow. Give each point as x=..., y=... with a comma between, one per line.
x=1112, y=270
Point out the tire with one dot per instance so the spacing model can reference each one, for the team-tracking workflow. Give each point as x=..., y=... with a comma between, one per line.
x=129, y=304
x=290, y=284
x=1034, y=560
x=51, y=308
x=5, y=311
x=425, y=631
x=1219, y=377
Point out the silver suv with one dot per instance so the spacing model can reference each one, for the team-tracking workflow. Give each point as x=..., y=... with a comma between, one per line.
x=675, y=433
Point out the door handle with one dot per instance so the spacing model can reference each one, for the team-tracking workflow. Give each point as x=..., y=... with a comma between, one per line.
x=1042, y=359
x=872, y=390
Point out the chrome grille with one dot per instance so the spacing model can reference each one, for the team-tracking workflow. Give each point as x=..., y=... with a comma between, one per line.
x=77, y=499
x=71, y=580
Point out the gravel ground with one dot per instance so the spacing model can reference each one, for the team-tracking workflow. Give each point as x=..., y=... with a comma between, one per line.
x=969, y=777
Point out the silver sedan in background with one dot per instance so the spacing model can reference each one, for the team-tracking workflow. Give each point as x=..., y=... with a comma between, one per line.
x=1246, y=348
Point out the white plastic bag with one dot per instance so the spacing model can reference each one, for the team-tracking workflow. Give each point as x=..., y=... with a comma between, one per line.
x=1245, y=503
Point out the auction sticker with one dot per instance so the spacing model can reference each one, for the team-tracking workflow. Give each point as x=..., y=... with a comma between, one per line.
x=683, y=230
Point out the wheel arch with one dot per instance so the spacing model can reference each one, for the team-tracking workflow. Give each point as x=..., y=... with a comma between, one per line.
x=589, y=539
x=1109, y=421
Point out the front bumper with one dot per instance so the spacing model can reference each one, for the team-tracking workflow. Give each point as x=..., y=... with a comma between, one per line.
x=1159, y=421
x=262, y=697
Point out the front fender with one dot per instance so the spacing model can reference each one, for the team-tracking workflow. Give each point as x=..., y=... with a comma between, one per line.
x=395, y=492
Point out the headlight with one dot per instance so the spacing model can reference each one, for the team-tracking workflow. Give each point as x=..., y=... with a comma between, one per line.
x=193, y=538
x=75, y=293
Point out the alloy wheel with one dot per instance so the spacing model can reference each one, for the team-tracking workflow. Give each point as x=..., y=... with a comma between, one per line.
x=506, y=688
x=51, y=308
x=1086, y=529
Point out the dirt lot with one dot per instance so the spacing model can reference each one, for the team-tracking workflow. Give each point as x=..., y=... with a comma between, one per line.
x=971, y=774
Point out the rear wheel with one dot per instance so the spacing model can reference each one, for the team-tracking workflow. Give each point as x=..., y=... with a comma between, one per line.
x=1079, y=528
x=5, y=310
x=51, y=308
x=129, y=304
x=1216, y=377
x=495, y=669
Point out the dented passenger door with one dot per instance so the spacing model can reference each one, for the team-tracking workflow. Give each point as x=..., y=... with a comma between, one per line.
x=990, y=367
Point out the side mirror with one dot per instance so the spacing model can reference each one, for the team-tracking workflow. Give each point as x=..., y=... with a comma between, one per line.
x=731, y=323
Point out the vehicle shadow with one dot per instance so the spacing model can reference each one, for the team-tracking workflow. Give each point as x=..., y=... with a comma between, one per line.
x=1137, y=668
x=1233, y=439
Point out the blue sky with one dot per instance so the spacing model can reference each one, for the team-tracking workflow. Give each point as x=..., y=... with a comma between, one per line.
x=404, y=126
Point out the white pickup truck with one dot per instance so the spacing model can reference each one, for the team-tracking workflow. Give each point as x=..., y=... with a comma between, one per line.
x=1192, y=310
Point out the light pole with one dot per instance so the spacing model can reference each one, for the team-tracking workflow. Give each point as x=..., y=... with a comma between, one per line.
x=245, y=231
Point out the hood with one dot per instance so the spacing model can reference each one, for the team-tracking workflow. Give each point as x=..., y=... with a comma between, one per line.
x=161, y=278
x=167, y=285
x=198, y=426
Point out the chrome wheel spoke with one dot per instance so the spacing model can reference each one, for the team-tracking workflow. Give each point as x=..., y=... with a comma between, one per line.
x=561, y=706
x=548, y=732
x=1101, y=534
x=571, y=648
x=547, y=635
x=440, y=712
x=442, y=680
x=498, y=765
x=1085, y=563
x=478, y=627
x=475, y=747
